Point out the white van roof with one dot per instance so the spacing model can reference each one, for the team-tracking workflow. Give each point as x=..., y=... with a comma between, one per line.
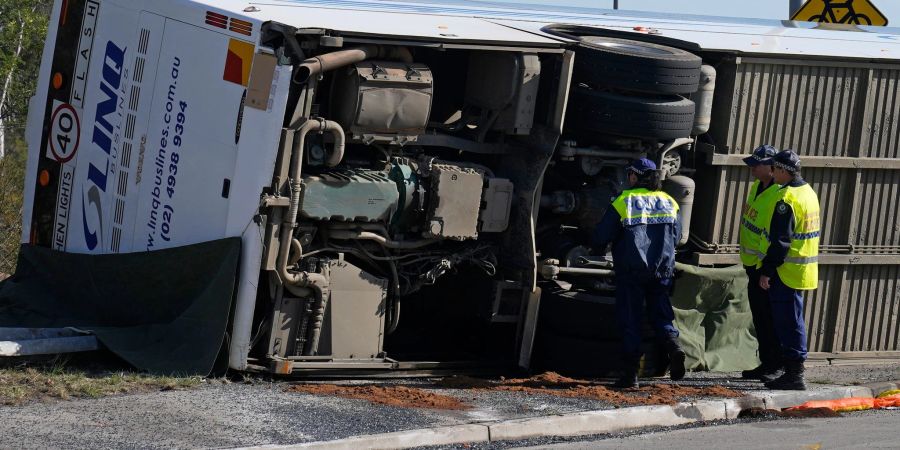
x=493, y=22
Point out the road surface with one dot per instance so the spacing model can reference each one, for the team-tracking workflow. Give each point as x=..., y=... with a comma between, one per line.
x=865, y=429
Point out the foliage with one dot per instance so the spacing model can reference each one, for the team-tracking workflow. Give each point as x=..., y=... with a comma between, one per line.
x=23, y=25
x=21, y=22
x=12, y=180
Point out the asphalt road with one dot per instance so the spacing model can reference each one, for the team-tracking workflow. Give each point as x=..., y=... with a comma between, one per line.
x=865, y=429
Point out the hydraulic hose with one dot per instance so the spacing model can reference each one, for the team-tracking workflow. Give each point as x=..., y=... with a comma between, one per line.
x=304, y=283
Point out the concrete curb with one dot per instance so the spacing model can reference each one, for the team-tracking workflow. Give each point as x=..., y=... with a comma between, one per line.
x=590, y=422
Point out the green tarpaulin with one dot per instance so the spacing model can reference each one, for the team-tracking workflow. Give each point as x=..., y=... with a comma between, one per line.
x=712, y=314
x=164, y=311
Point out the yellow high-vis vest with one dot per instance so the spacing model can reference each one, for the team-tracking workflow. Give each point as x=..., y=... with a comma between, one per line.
x=755, y=217
x=645, y=207
x=801, y=265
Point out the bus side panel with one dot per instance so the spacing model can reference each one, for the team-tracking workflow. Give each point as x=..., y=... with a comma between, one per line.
x=77, y=157
x=188, y=162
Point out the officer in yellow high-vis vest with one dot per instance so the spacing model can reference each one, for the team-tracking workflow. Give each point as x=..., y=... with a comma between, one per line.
x=756, y=214
x=790, y=265
x=643, y=224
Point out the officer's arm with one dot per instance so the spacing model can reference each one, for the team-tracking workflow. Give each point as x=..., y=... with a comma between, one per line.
x=607, y=230
x=781, y=230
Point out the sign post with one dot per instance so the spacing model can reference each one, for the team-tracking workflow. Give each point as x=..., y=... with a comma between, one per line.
x=853, y=12
x=794, y=6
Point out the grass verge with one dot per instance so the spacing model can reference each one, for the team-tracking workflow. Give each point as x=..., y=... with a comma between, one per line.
x=57, y=380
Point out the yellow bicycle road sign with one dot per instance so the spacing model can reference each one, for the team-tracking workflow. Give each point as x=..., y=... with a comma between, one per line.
x=856, y=12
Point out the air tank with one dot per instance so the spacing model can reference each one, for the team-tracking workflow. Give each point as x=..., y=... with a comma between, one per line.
x=703, y=100
x=681, y=188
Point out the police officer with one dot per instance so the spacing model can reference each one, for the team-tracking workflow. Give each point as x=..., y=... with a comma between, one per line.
x=790, y=265
x=643, y=226
x=756, y=214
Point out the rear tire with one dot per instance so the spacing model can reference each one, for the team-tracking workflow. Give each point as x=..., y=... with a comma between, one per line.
x=636, y=66
x=654, y=117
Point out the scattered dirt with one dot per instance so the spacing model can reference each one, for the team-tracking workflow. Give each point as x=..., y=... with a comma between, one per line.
x=549, y=383
x=759, y=413
x=820, y=413
x=385, y=395
x=654, y=394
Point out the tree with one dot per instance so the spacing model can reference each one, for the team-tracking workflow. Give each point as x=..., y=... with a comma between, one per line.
x=23, y=25
x=12, y=179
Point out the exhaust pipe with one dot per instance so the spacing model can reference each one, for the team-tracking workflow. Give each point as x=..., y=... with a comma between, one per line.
x=341, y=58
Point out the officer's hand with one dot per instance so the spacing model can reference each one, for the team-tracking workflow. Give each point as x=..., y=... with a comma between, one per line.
x=764, y=282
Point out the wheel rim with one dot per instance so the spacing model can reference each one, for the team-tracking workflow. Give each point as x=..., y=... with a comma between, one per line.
x=631, y=48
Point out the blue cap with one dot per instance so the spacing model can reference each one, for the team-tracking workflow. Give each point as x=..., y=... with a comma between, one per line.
x=641, y=166
x=787, y=160
x=762, y=155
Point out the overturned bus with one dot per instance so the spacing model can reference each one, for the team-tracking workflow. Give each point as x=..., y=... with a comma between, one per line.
x=405, y=182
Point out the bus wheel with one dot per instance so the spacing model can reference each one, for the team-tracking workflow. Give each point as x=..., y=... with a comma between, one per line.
x=636, y=66
x=660, y=117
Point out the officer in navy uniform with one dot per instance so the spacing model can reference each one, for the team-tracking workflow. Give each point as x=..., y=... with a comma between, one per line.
x=755, y=215
x=643, y=224
x=790, y=265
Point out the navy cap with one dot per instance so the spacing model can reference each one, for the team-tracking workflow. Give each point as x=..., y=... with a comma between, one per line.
x=787, y=160
x=641, y=166
x=762, y=155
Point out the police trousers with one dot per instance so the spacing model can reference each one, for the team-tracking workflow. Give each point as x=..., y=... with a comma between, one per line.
x=761, y=310
x=787, y=317
x=631, y=298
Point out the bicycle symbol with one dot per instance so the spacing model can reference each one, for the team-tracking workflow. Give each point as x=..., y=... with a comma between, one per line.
x=828, y=14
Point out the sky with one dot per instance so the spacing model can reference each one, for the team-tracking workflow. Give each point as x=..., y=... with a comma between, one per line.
x=762, y=9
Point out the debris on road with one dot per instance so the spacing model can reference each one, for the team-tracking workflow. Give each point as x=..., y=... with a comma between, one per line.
x=548, y=383
x=654, y=394
x=401, y=396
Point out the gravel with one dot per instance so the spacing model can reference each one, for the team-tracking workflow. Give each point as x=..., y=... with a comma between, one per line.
x=820, y=373
x=220, y=414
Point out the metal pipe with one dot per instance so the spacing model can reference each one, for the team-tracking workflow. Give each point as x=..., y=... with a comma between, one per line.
x=305, y=284
x=550, y=270
x=367, y=235
x=316, y=65
x=290, y=220
x=581, y=271
x=567, y=151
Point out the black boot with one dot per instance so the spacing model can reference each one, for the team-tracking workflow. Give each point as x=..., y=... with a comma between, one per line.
x=792, y=379
x=770, y=373
x=753, y=374
x=629, y=378
x=763, y=372
x=676, y=359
